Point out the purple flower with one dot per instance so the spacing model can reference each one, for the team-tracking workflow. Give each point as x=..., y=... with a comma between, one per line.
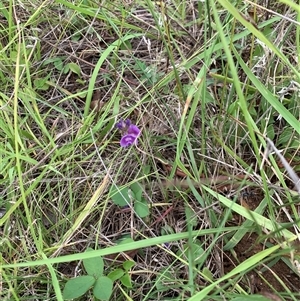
x=133, y=130
x=128, y=140
x=123, y=124
x=130, y=132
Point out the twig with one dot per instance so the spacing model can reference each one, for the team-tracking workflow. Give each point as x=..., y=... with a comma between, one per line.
x=285, y=163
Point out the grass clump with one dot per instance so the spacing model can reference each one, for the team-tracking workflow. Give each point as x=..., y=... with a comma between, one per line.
x=196, y=207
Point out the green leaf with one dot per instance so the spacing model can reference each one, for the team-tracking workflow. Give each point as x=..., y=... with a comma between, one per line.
x=137, y=191
x=81, y=82
x=124, y=239
x=94, y=266
x=120, y=196
x=198, y=252
x=126, y=281
x=191, y=217
x=285, y=136
x=126, y=46
x=66, y=69
x=41, y=83
x=271, y=132
x=116, y=274
x=128, y=264
x=166, y=229
x=208, y=273
x=78, y=286
x=146, y=170
x=141, y=208
x=59, y=64
x=26, y=134
x=54, y=60
x=75, y=68
x=163, y=279
x=103, y=288
x=140, y=66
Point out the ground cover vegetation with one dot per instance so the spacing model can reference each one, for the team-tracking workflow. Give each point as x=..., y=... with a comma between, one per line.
x=149, y=150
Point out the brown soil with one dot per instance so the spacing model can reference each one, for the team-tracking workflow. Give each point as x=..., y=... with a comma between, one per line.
x=268, y=275
x=262, y=278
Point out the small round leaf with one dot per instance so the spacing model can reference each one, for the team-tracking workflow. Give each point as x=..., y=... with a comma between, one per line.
x=116, y=274
x=78, y=286
x=75, y=68
x=120, y=196
x=94, y=266
x=137, y=190
x=126, y=281
x=128, y=264
x=103, y=288
x=141, y=208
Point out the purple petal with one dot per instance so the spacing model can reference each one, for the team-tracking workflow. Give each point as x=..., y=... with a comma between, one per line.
x=119, y=125
x=123, y=124
x=127, y=122
x=133, y=130
x=128, y=140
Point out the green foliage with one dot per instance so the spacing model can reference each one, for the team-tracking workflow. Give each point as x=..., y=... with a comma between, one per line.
x=73, y=68
x=207, y=273
x=148, y=74
x=126, y=280
x=164, y=279
x=122, y=196
x=78, y=286
x=140, y=204
x=128, y=264
x=94, y=266
x=60, y=65
x=287, y=137
x=58, y=62
x=41, y=83
x=103, y=288
x=116, y=274
x=102, y=285
x=122, y=274
x=196, y=249
x=220, y=93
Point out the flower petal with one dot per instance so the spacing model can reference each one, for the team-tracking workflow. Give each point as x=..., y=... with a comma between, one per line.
x=127, y=122
x=119, y=125
x=123, y=124
x=133, y=130
x=128, y=140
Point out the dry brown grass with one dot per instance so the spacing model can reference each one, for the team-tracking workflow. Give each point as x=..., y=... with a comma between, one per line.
x=154, y=98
